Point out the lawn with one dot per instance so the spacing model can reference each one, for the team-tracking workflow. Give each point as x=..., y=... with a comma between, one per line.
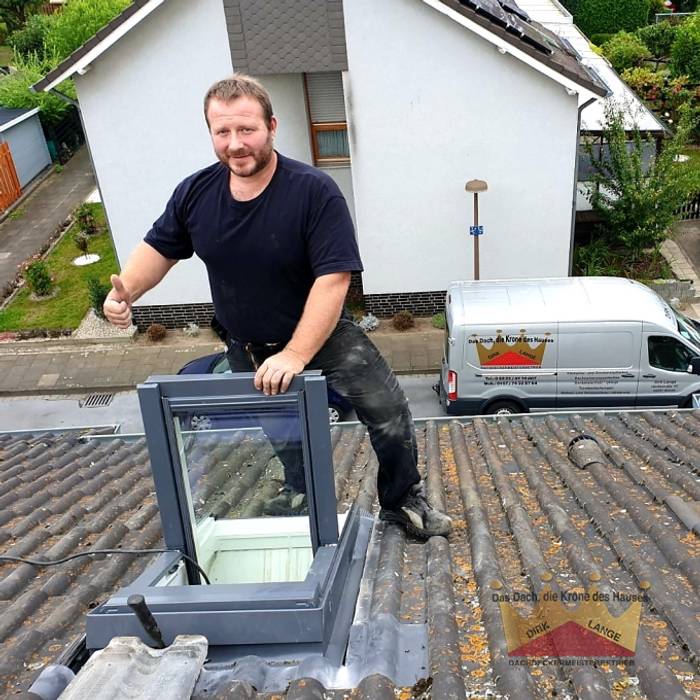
x=67, y=308
x=5, y=55
x=693, y=152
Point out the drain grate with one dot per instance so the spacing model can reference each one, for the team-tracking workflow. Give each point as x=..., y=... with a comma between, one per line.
x=96, y=401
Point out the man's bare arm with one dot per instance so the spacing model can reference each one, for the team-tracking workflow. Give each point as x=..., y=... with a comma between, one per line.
x=321, y=314
x=144, y=269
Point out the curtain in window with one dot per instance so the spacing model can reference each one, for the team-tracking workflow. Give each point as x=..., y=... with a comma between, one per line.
x=333, y=144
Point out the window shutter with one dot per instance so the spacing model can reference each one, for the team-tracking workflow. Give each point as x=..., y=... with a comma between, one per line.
x=325, y=92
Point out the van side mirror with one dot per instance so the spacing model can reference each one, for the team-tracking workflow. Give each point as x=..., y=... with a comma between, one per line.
x=694, y=366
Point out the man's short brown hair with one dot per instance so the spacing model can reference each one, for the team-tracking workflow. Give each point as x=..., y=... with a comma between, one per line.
x=239, y=85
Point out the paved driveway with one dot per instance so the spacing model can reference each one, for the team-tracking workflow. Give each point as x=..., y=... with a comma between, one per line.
x=44, y=210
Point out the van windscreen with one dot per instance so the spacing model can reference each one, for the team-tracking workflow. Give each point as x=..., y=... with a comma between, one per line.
x=688, y=328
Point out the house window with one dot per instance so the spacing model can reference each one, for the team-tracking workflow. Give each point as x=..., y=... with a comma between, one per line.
x=328, y=125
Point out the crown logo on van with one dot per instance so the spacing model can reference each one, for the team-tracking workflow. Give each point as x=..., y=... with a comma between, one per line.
x=512, y=351
x=555, y=629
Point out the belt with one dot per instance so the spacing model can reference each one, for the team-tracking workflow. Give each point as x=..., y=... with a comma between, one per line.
x=256, y=349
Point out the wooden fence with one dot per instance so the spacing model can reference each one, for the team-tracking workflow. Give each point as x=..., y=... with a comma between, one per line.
x=9, y=182
x=691, y=210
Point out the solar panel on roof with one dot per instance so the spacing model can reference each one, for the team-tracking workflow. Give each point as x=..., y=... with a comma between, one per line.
x=511, y=6
x=529, y=34
x=493, y=10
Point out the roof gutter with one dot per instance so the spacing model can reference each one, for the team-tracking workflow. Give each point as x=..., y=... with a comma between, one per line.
x=61, y=96
x=575, y=196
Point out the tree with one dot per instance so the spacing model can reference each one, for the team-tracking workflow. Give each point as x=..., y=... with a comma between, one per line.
x=15, y=92
x=638, y=200
x=14, y=13
x=77, y=22
x=30, y=39
x=685, y=52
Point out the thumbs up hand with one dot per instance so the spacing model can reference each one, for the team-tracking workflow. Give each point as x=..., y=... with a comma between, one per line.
x=117, y=306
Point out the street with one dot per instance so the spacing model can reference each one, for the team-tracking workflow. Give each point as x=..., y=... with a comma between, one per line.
x=46, y=412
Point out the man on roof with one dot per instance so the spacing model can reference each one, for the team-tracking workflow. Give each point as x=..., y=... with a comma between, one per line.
x=278, y=243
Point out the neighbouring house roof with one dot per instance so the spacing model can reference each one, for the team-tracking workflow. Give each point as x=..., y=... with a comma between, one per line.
x=525, y=517
x=272, y=38
x=558, y=19
x=12, y=117
x=507, y=25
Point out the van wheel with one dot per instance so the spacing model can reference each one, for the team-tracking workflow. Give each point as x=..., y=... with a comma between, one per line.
x=503, y=408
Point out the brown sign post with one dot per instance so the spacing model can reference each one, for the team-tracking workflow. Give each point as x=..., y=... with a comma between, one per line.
x=476, y=186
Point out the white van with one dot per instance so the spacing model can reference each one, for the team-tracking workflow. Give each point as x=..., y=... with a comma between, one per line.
x=513, y=346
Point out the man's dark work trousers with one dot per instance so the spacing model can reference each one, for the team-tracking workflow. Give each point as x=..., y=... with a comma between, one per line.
x=356, y=370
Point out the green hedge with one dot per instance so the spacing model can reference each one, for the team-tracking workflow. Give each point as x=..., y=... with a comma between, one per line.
x=611, y=16
x=685, y=54
x=658, y=38
x=624, y=51
x=571, y=5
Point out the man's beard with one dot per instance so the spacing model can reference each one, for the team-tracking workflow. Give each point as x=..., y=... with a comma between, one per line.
x=261, y=158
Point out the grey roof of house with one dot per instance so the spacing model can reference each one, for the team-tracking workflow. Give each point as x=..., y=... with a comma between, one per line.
x=7, y=114
x=522, y=512
x=309, y=36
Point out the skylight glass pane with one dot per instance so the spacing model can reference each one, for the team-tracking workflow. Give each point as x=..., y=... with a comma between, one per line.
x=243, y=468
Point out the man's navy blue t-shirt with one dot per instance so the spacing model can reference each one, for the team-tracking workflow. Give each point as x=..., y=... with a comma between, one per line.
x=262, y=256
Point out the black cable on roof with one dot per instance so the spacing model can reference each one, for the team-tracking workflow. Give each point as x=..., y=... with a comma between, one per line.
x=55, y=562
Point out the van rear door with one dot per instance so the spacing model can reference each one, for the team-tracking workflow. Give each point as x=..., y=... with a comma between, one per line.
x=598, y=364
x=512, y=363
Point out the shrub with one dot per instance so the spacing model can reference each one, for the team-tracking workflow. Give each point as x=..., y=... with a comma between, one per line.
x=648, y=84
x=368, y=323
x=600, y=39
x=598, y=16
x=594, y=259
x=82, y=243
x=439, y=321
x=191, y=330
x=403, y=320
x=15, y=92
x=97, y=293
x=85, y=218
x=685, y=53
x=625, y=50
x=156, y=332
x=637, y=200
x=30, y=39
x=38, y=278
x=658, y=38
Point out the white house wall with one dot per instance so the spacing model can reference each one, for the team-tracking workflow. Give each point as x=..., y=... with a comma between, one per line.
x=430, y=106
x=293, y=139
x=143, y=147
x=289, y=106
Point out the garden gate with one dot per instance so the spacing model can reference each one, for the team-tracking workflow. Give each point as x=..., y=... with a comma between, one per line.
x=9, y=182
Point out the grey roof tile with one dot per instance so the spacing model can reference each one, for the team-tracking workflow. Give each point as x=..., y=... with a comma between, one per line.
x=522, y=511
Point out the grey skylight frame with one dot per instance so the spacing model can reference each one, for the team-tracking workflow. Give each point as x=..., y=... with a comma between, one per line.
x=160, y=396
x=314, y=611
